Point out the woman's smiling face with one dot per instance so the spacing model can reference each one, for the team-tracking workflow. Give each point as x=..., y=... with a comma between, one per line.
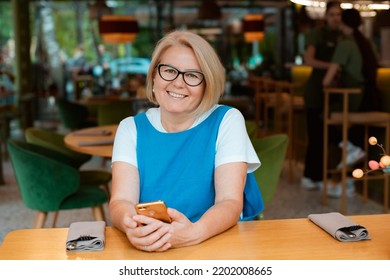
x=176, y=96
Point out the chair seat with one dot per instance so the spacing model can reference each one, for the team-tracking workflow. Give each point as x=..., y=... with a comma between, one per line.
x=284, y=100
x=86, y=196
x=298, y=102
x=363, y=118
x=280, y=100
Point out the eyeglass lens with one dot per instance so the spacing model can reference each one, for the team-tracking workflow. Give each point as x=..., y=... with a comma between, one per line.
x=170, y=73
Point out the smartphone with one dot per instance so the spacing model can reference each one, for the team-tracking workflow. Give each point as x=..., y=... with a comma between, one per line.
x=154, y=209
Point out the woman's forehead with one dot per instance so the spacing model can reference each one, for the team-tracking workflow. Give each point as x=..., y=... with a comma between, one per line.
x=181, y=57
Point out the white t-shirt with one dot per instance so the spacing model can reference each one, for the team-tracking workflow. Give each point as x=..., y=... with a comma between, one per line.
x=233, y=143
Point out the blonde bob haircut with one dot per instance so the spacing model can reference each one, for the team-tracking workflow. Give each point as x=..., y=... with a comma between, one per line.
x=211, y=66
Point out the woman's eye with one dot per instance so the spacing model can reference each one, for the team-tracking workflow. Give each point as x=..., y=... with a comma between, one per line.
x=192, y=76
x=170, y=71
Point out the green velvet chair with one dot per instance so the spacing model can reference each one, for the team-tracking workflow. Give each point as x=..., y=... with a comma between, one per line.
x=55, y=141
x=74, y=115
x=252, y=129
x=272, y=152
x=49, y=183
x=114, y=112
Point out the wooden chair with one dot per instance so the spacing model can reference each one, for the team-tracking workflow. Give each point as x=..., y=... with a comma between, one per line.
x=287, y=103
x=345, y=119
x=278, y=96
x=262, y=87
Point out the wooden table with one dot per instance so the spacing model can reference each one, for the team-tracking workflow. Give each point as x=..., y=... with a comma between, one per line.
x=298, y=239
x=75, y=138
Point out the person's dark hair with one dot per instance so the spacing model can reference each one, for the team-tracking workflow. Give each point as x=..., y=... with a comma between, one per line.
x=331, y=4
x=352, y=18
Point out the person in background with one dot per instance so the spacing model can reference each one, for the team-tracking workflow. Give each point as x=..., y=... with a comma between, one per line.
x=353, y=65
x=321, y=43
x=104, y=56
x=189, y=152
x=351, y=22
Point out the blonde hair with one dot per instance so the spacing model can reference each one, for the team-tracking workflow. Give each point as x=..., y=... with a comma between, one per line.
x=207, y=58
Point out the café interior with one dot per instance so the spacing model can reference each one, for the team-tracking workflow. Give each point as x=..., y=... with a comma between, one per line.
x=72, y=70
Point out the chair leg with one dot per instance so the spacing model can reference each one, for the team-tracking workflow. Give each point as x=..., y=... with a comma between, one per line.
x=386, y=195
x=107, y=189
x=40, y=219
x=54, y=221
x=365, y=180
x=98, y=213
x=290, y=132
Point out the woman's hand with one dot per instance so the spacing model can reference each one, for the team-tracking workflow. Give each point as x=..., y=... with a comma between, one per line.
x=148, y=234
x=185, y=233
x=152, y=235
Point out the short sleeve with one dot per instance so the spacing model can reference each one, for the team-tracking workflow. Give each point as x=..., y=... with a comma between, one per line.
x=312, y=37
x=124, y=148
x=233, y=142
x=340, y=54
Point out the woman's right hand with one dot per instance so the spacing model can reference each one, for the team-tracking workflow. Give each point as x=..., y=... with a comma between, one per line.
x=147, y=234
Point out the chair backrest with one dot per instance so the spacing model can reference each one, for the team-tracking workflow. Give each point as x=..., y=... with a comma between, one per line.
x=43, y=180
x=114, y=112
x=55, y=141
x=73, y=115
x=272, y=152
x=251, y=128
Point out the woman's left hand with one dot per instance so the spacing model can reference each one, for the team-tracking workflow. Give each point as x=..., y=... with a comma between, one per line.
x=156, y=236
x=185, y=233
x=151, y=235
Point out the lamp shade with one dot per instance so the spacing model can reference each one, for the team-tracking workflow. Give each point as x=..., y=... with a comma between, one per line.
x=116, y=29
x=253, y=27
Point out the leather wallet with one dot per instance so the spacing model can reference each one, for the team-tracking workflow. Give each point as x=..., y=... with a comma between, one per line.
x=86, y=236
x=340, y=227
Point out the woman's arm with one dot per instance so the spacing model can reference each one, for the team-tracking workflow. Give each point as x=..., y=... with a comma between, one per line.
x=330, y=74
x=230, y=180
x=125, y=194
x=309, y=58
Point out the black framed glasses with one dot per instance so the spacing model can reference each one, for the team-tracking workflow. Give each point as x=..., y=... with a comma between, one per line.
x=169, y=73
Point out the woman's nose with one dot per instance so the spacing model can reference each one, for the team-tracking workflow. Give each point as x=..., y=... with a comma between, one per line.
x=179, y=81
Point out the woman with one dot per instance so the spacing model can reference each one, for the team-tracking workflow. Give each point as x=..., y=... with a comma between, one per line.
x=355, y=52
x=190, y=152
x=320, y=47
x=346, y=70
x=347, y=61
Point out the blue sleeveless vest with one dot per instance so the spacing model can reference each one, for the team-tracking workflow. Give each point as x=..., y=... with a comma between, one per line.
x=179, y=167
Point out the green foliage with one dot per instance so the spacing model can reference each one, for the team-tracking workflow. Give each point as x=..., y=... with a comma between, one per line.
x=142, y=46
x=5, y=22
x=66, y=26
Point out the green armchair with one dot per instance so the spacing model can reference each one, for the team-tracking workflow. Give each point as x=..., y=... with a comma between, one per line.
x=49, y=183
x=73, y=115
x=114, y=112
x=55, y=141
x=272, y=153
